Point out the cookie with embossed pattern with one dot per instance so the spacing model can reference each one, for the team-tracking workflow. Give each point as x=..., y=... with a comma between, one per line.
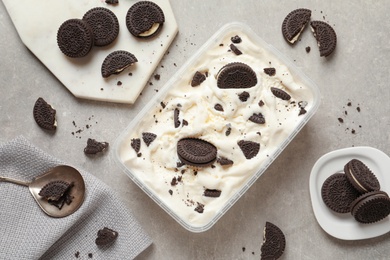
x=236, y=75
x=75, y=38
x=196, y=152
x=371, y=207
x=338, y=193
x=294, y=23
x=145, y=19
x=104, y=24
x=116, y=62
x=326, y=37
x=274, y=242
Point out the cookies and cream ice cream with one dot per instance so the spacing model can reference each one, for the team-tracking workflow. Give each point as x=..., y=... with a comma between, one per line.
x=247, y=126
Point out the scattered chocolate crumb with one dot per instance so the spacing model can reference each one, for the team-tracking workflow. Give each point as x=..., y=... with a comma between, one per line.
x=90, y=255
x=170, y=192
x=218, y=107
x=349, y=104
x=221, y=44
x=77, y=254
x=162, y=104
x=261, y=103
x=340, y=120
x=243, y=249
x=157, y=76
x=345, y=112
x=130, y=74
x=353, y=131
x=358, y=109
x=174, y=181
x=308, y=49
x=302, y=111
x=150, y=83
x=174, y=64
x=228, y=131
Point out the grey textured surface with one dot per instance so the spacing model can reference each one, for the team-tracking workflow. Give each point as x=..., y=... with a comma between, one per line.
x=358, y=72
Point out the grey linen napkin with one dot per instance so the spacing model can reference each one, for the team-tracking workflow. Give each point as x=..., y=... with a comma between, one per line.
x=26, y=232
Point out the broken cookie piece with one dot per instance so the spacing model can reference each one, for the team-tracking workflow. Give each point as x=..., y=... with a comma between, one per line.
x=106, y=236
x=116, y=62
x=274, y=242
x=94, y=147
x=326, y=37
x=44, y=115
x=294, y=23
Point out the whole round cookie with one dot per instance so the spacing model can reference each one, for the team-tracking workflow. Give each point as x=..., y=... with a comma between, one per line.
x=338, y=193
x=371, y=207
x=75, y=38
x=361, y=177
x=116, y=62
x=144, y=19
x=236, y=75
x=104, y=24
x=274, y=242
x=196, y=152
x=326, y=37
x=294, y=23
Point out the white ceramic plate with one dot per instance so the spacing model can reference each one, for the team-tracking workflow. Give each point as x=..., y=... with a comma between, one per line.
x=344, y=226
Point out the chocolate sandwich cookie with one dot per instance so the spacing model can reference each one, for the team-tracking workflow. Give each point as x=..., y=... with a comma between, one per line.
x=94, y=147
x=75, y=38
x=116, y=62
x=326, y=37
x=236, y=75
x=371, y=207
x=338, y=193
x=361, y=177
x=106, y=236
x=249, y=148
x=294, y=23
x=44, y=115
x=144, y=19
x=104, y=24
x=196, y=152
x=280, y=93
x=274, y=242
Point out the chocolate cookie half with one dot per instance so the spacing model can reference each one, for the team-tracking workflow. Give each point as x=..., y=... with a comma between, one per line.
x=274, y=242
x=116, y=62
x=196, y=152
x=75, y=38
x=44, y=115
x=236, y=75
x=104, y=24
x=326, y=37
x=144, y=19
x=371, y=207
x=294, y=23
x=338, y=193
x=361, y=177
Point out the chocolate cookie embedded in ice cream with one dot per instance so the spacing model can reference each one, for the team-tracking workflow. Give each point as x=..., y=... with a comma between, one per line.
x=236, y=75
x=196, y=152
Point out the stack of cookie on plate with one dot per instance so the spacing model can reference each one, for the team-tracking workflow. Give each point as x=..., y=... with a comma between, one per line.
x=357, y=191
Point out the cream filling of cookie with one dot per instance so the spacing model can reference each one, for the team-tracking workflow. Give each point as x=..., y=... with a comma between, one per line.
x=158, y=164
x=356, y=181
x=152, y=30
x=296, y=37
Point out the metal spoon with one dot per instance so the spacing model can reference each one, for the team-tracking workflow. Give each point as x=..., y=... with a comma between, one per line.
x=61, y=172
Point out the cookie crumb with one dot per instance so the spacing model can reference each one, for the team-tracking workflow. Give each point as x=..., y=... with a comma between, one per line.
x=308, y=49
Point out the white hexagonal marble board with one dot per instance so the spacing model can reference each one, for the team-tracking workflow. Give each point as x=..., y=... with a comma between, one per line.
x=37, y=23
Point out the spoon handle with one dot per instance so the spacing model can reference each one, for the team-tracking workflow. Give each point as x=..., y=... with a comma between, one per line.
x=5, y=179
